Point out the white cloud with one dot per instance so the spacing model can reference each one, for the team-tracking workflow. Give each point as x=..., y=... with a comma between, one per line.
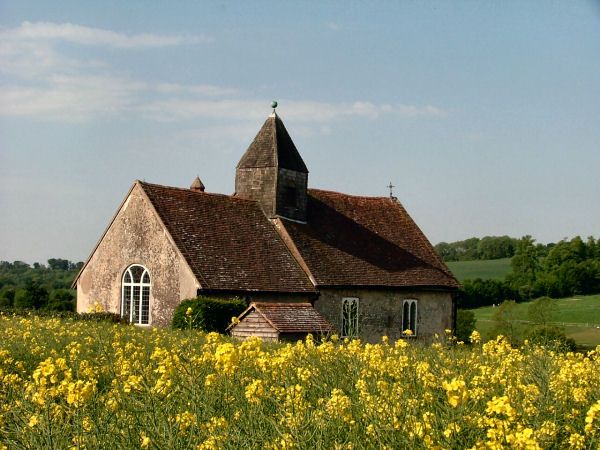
x=48, y=85
x=298, y=110
x=70, y=98
x=335, y=26
x=43, y=31
x=80, y=98
x=200, y=89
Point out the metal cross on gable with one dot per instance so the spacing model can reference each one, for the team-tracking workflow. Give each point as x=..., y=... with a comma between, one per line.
x=391, y=186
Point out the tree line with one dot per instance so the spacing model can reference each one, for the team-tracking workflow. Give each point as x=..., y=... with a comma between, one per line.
x=488, y=247
x=40, y=286
x=564, y=269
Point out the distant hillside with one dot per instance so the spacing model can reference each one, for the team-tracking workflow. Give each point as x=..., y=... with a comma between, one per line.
x=579, y=316
x=485, y=269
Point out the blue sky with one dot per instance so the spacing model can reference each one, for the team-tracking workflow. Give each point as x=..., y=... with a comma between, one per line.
x=484, y=115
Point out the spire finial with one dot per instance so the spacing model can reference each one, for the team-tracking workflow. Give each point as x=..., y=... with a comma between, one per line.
x=391, y=186
x=274, y=105
x=197, y=185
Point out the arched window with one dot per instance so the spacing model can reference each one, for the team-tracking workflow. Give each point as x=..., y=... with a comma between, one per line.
x=135, y=303
x=409, y=316
x=349, y=317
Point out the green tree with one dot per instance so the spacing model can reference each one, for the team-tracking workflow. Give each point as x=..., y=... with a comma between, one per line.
x=61, y=300
x=551, y=336
x=542, y=311
x=525, y=265
x=58, y=264
x=7, y=296
x=495, y=247
x=446, y=251
x=465, y=324
x=505, y=322
x=32, y=296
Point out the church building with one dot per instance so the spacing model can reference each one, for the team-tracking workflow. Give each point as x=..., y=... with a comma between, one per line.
x=301, y=257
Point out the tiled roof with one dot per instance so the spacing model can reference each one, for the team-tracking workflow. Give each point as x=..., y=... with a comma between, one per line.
x=273, y=147
x=365, y=241
x=292, y=317
x=228, y=242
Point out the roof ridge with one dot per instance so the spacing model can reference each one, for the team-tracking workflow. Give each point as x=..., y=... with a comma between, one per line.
x=214, y=194
x=371, y=197
x=275, y=141
x=280, y=304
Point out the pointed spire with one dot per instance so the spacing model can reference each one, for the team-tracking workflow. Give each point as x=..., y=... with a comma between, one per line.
x=273, y=147
x=197, y=185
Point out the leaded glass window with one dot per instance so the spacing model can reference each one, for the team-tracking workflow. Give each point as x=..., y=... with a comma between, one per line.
x=135, y=303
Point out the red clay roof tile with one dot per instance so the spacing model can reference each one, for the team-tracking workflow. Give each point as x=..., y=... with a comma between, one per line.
x=365, y=241
x=228, y=242
x=292, y=317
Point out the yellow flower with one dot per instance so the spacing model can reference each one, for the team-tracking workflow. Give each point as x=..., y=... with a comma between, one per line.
x=185, y=420
x=407, y=332
x=501, y=406
x=210, y=379
x=254, y=391
x=577, y=441
x=338, y=405
x=33, y=421
x=589, y=418
x=235, y=320
x=145, y=441
x=456, y=391
x=188, y=312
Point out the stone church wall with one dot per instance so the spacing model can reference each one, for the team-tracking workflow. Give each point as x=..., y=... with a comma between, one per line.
x=136, y=236
x=297, y=181
x=380, y=311
x=258, y=184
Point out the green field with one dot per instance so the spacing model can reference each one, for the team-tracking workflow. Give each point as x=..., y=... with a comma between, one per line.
x=580, y=316
x=491, y=268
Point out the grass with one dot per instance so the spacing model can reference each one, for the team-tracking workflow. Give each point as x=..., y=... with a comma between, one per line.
x=485, y=269
x=580, y=316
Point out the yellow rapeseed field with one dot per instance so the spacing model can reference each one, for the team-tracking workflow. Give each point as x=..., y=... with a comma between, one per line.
x=76, y=384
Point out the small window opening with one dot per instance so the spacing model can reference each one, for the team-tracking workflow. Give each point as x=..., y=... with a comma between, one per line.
x=290, y=197
x=409, y=317
x=350, y=318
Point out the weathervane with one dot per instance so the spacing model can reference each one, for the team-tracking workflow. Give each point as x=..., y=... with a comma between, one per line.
x=391, y=186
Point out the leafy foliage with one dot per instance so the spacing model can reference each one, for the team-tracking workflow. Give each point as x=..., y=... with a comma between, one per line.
x=62, y=300
x=207, y=314
x=569, y=268
x=465, y=324
x=488, y=247
x=542, y=311
x=506, y=322
x=33, y=296
x=33, y=287
x=548, y=335
x=478, y=292
x=70, y=315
